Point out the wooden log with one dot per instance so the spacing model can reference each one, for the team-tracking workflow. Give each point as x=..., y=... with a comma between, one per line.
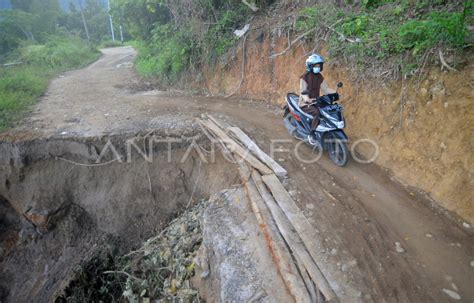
x=307, y=248
x=210, y=135
x=269, y=161
x=236, y=148
x=280, y=253
x=313, y=292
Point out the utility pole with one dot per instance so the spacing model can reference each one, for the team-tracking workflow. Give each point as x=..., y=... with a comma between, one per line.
x=110, y=19
x=84, y=21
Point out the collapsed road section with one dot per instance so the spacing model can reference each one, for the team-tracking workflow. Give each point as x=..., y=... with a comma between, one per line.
x=74, y=203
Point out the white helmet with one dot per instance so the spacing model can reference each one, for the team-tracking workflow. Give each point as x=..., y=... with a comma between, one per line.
x=312, y=60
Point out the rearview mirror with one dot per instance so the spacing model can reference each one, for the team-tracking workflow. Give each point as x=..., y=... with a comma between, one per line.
x=340, y=84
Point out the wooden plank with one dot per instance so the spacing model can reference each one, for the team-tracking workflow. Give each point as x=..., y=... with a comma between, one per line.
x=291, y=236
x=278, y=249
x=303, y=228
x=236, y=148
x=216, y=122
x=269, y=161
x=312, y=290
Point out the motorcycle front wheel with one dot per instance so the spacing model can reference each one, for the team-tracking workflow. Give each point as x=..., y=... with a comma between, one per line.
x=338, y=152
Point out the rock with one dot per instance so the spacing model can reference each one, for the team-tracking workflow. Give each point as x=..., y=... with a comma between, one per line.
x=352, y=263
x=429, y=236
x=40, y=221
x=455, y=287
x=452, y=294
x=333, y=252
x=472, y=263
x=466, y=225
x=399, y=248
x=239, y=271
x=310, y=206
x=423, y=92
x=204, y=274
x=437, y=90
x=344, y=267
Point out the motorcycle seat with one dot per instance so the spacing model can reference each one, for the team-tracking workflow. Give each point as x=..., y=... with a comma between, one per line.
x=294, y=102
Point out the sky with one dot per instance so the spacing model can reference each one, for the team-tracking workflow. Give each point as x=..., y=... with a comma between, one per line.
x=5, y=4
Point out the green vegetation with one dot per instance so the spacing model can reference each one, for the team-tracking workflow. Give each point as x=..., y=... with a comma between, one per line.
x=21, y=85
x=176, y=37
x=43, y=40
x=110, y=43
x=373, y=36
x=391, y=34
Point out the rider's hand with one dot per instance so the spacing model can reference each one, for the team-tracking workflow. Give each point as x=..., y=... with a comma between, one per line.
x=334, y=97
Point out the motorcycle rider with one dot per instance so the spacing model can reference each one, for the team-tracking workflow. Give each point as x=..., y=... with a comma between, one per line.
x=312, y=83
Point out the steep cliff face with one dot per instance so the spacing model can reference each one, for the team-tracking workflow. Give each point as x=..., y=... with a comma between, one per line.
x=423, y=127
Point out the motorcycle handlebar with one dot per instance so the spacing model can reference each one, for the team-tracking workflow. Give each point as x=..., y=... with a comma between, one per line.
x=331, y=97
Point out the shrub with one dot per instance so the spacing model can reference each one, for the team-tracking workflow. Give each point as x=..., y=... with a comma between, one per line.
x=438, y=28
x=396, y=30
x=110, y=43
x=59, y=52
x=21, y=85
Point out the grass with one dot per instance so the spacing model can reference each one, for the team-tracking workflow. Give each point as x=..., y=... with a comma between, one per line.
x=110, y=43
x=21, y=85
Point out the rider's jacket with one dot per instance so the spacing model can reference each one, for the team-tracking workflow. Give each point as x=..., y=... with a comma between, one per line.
x=314, y=83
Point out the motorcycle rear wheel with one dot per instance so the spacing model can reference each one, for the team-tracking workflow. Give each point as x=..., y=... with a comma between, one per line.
x=294, y=124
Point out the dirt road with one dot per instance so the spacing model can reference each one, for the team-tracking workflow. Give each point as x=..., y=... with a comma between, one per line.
x=359, y=211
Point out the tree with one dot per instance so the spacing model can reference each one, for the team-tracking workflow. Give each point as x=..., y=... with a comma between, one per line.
x=91, y=14
x=23, y=5
x=16, y=26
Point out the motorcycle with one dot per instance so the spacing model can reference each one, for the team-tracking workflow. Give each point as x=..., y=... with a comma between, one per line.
x=329, y=134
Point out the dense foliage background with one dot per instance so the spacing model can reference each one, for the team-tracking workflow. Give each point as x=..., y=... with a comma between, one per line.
x=182, y=35
x=177, y=36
